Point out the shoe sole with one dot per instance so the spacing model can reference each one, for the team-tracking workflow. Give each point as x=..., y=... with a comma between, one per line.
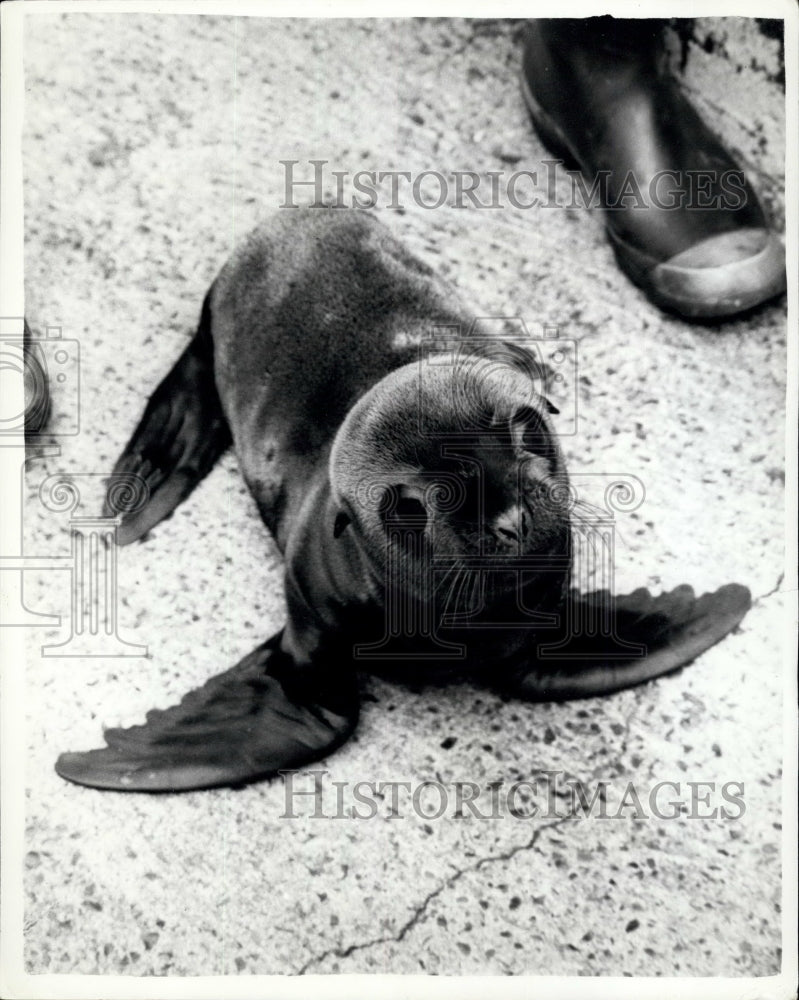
x=764, y=273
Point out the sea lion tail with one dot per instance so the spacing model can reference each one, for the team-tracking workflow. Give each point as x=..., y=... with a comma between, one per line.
x=608, y=645
x=181, y=435
x=260, y=717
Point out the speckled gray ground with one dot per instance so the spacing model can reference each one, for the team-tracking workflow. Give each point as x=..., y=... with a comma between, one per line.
x=151, y=144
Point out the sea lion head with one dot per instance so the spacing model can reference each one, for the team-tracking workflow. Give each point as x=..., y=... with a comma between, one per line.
x=448, y=459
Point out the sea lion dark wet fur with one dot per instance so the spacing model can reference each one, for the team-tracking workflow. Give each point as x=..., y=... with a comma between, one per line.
x=418, y=501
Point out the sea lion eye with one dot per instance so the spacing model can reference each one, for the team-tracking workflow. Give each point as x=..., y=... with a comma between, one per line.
x=410, y=508
x=399, y=508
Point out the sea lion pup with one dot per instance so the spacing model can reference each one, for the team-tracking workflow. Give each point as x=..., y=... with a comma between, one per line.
x=419, y=503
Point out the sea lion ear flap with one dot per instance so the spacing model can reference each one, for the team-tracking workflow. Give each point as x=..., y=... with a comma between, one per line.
x=341, y=522
x=534, y=367
x=529, y=432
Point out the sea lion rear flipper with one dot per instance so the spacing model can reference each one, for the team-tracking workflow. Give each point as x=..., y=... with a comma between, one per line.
x=248, y=723
x=181, y=435
x=650, y=636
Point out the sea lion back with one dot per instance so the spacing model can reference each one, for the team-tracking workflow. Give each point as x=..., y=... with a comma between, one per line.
x=313, y=309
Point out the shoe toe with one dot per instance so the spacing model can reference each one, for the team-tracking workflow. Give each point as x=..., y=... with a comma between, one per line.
x=721, y=275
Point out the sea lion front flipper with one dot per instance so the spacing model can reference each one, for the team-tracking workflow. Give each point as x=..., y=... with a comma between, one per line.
x=248, y=723
x=649, y=636
x=181, y=435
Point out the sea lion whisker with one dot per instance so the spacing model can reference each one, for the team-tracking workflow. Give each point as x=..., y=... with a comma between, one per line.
x=450, y=602
x=443, y=578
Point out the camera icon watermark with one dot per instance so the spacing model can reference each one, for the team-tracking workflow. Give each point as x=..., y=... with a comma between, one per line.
x=548, y=360
x=44, y=361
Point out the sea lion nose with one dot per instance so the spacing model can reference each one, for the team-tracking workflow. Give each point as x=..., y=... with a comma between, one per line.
x=516, y=528
x=511, y=526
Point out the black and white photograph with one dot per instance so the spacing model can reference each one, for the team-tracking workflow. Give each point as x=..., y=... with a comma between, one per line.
x=399, y=554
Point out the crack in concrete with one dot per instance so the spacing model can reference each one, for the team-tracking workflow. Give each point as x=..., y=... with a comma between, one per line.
x=421, y=909
x=770, y=593
x=506, y=855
